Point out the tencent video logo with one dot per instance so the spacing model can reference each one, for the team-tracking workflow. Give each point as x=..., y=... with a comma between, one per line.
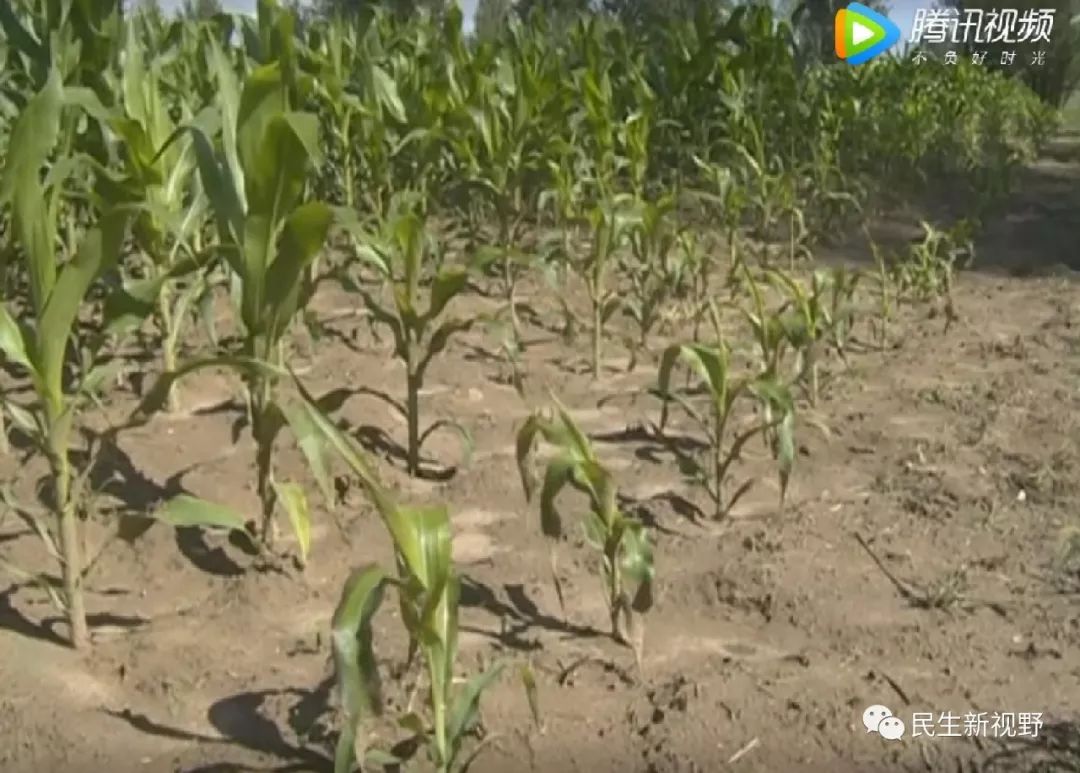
x=862, y=33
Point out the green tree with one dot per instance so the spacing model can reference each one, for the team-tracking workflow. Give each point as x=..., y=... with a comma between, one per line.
x=1056, y=77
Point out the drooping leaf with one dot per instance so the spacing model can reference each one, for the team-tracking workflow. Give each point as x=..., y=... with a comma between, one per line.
x=292, y=498
x=354, y=657
x=185, y=510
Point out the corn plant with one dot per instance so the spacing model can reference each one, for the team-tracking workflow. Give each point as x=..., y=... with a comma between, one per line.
x=928, y=272
x=610, y=224
x=657, y=267
x=883, y=278
x=428, y=590
x=724, y=391
x=168, y=229
x=66, y=365
x=841, y=284
x=622, y=541
x=402, y=251
x=504, y=151
x=724, y=197
x=360, y=101
x=809, y=316
x=268, y=237
x=767, y=185
x=769, y=327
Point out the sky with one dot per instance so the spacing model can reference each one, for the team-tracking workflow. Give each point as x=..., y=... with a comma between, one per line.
x=902, y=12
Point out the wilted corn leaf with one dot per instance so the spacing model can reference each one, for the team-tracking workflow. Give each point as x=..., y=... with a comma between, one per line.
x=292, y=498
x=185, y=510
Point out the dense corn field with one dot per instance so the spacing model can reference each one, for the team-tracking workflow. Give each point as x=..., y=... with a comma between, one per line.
x=184, y=198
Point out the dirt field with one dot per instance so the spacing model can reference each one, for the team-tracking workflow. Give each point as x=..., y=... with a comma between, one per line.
x=955, y=458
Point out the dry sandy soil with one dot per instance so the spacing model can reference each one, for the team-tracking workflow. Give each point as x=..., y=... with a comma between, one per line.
x=954, y=456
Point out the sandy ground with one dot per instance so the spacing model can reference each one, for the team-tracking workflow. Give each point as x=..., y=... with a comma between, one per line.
x=953, y=457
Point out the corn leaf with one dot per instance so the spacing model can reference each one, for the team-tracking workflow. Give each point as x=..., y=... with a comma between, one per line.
x=291, y=496
x=354, y=658
x=185, y=510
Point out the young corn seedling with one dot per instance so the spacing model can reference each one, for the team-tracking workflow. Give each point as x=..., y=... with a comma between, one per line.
x=657, y=268
x=839, y=312
x=401, y=252
x=769, y=327
x=268, y=237
x=766, y=194
x=712, y=366
x=623, y=542
x=928, y=272
x=883, y=276
x=428, y=591
x=726, y=199
x=611, y=223
x=811, y=315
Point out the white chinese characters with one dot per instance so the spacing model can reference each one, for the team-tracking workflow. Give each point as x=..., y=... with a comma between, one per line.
x=947, y=724
x=975, y=25
x=1024, y=724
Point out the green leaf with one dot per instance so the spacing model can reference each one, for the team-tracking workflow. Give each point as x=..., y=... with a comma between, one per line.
x=127, y=307
x=291, y=496
x=459, y=429
x=185, y=510
x=559, y=472
x=32, y=138
x=525, y=450
x=349, y=450
x=386, y=91
x=447, y=285
x=33, y=223
x=636, y=563
x=23, y=39
x=422, y=536
x=12, y=342
x=440, y=339
x=354, y=657
x=313, y=445
x=466, y=706
x=302, y=237
x=99, y=251
x=24, y=419
x=532, y=692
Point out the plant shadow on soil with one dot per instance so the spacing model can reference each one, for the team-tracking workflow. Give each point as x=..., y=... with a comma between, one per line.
x=241, y=723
